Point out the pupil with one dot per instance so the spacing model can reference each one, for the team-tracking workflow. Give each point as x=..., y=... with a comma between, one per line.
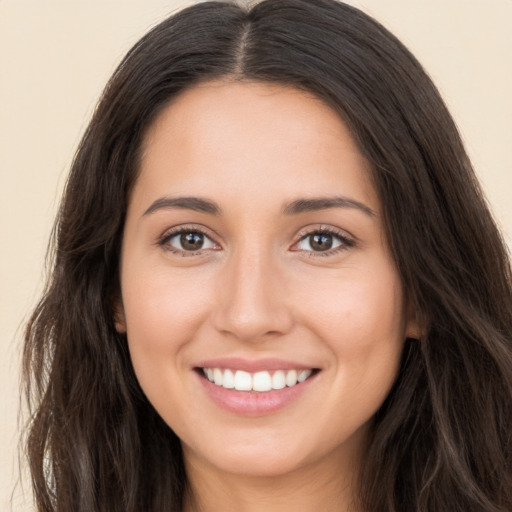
x=191, y=241
x=321, y=242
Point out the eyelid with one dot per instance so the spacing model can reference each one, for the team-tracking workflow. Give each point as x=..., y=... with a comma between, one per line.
x=346, y=238
x=163, y=240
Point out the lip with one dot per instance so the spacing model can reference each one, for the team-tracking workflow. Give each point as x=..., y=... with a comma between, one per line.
x=251, y=403
x=252, y=365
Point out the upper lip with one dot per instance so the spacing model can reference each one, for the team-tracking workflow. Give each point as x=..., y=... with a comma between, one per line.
x=253, y=365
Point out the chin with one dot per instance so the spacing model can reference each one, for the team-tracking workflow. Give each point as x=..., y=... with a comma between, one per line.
x=265, y=457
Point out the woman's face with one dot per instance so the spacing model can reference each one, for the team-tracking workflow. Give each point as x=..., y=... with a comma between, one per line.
x=254, y=254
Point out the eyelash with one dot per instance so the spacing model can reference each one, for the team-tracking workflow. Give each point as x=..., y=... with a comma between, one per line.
x=169, y=235
x=346, y=241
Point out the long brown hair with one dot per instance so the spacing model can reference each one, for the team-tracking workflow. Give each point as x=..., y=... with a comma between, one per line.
x=442, y=441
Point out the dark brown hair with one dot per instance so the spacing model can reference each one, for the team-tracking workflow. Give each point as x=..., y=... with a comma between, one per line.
x=442, y=441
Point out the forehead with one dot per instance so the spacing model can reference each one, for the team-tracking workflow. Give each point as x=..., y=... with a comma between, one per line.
x=248, y=137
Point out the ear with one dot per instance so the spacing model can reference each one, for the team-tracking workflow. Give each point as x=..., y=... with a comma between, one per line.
x=413, y=328
x=119, y=317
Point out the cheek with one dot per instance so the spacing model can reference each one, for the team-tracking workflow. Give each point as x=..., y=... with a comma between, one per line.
x=361, y=320
x=163, y=311
x=161, y=302
x=362, y=323
x=358, y=311
x=163, y=314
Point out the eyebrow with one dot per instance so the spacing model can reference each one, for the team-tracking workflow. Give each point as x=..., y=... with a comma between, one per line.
x=294, y=208
x=188, y=203
x=324, y=203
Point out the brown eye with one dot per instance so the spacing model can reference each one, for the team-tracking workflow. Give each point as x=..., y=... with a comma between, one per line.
x=320, y=242
x=192, y=241
x=188, y=241
x=323, y=241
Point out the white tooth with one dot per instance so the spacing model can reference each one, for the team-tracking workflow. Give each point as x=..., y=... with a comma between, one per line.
x=209, y=374
x=261, y=381
x=217, y=376
x=243, y=381
x=229, y=380
x=303, y=375
x=278, y=380
x=291, y=378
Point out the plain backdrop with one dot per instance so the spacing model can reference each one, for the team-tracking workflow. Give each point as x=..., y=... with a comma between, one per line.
x=55, y=57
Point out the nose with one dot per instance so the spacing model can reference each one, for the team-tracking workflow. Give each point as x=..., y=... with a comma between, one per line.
x=252, y=304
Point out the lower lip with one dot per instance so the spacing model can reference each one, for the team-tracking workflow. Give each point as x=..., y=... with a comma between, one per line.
x=251, y=403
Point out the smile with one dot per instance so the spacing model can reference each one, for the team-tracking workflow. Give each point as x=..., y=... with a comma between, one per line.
x=259, y=382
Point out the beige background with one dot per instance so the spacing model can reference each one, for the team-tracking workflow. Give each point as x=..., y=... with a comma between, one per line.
x=55, y=57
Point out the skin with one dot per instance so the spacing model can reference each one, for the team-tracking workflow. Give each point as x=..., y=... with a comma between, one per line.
x=257, y=289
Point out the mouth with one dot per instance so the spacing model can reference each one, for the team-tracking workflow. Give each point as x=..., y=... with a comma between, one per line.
x=257, y=382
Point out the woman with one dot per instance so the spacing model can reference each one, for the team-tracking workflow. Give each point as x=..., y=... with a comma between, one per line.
x=276, y=283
